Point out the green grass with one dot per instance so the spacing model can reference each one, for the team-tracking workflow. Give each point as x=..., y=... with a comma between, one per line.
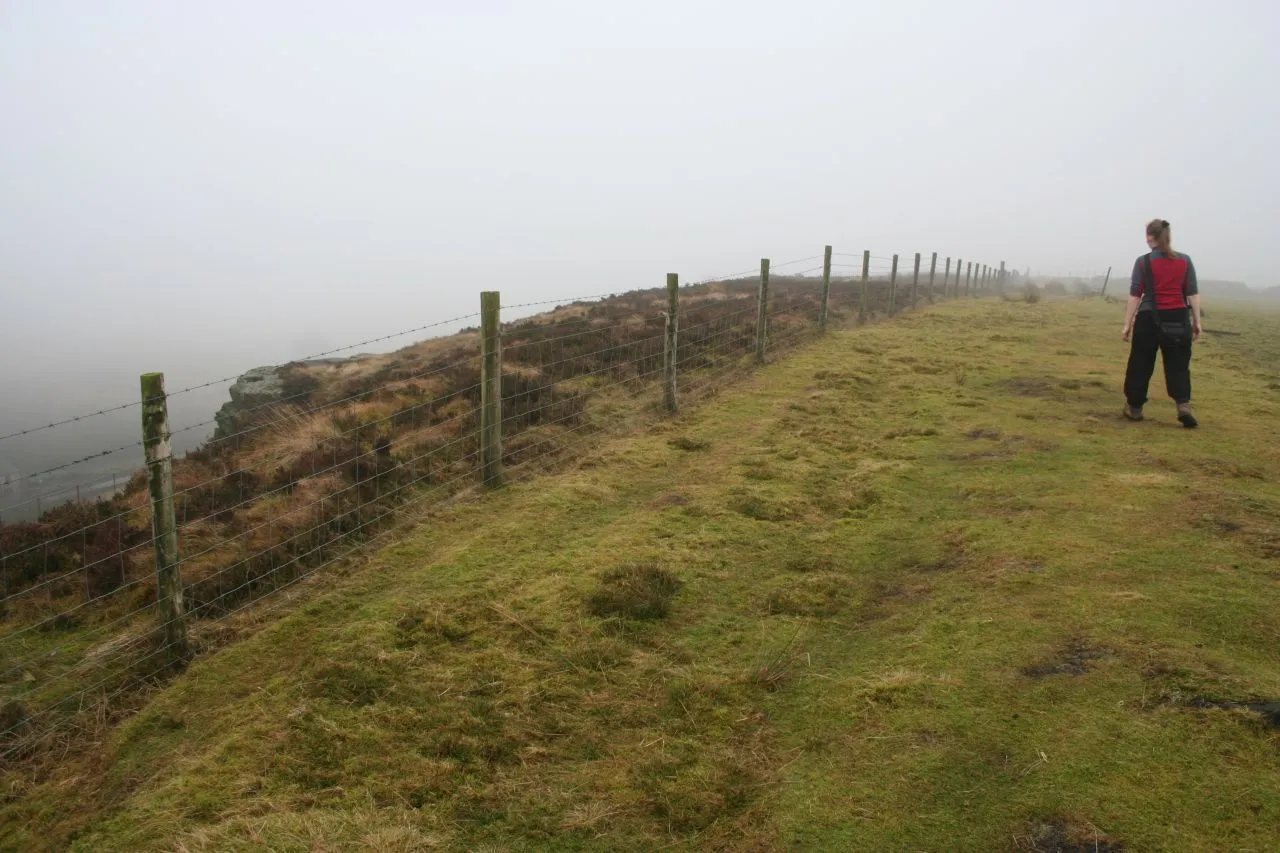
x=915, y=587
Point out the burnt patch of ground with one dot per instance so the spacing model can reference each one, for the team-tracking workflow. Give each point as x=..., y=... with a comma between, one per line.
x=1076, y=657
x=1268, y=710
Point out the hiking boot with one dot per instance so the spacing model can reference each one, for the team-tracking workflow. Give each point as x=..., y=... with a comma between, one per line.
x=1133, y=413
x=1185, y=417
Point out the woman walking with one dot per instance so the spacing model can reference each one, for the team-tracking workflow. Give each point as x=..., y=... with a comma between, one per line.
x=1164, y=317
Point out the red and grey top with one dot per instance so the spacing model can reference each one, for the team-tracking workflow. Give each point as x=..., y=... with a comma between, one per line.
x=1169, y=273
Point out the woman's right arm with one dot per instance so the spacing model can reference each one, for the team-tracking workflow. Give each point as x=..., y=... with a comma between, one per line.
x=1135, y=299
x=1130, y=313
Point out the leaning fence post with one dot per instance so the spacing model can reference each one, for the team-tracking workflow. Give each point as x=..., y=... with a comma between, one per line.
x=491, y=388
x=915, y=282
x=946, y=278
x=762, y=319
x=933, y=269
x=669, y=361
x=826, y=288
x=866, y=274
x=893, y=286
x=157, y=447
x=1106, y=281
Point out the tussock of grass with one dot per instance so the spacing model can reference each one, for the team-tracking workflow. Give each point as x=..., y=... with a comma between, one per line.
x=911, y=614
x=684, y=442
x=637, y=591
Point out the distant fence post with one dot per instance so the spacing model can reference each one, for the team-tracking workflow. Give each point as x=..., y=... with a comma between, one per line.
x=985, y=270
x=959, y=264
x=157, y=447
x=915, y=282
x=826, y=288
x=866, y=274
x=491, y=388
x=946, y=278
x=762, y=320
x=968, y=277
x=893, y=287
x=1106, y=281
x=669, y=365
x=1001, y=279
x=933, y=269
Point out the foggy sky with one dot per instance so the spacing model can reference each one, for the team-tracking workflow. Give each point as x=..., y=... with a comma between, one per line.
x=201, y=187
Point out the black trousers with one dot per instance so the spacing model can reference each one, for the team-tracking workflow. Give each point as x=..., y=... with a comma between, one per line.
x=1146, y=341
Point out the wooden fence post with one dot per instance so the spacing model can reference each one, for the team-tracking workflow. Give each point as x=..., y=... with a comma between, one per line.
x=669, y=364
x=157, y=447
x=968, y=277
x=933, y=269
x=866, y=274
x=826, y=288
x=762, y=319
x=893, y=287
x=491, y=388
x=959, y=264
x=985, y=269
x=668, y=368
x=1106, y=281
x=1002, y=276
x=915, y=282
x=946, y=278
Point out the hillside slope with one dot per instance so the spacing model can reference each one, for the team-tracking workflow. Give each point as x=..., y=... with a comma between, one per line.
x=914, y=587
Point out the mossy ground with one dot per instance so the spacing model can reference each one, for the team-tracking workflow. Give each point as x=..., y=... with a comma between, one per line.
x=918, y=587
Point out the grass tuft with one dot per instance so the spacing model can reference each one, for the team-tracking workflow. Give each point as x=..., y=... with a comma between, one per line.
x=640, y=591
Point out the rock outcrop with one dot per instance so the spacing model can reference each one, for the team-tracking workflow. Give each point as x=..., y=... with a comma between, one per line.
x=258, y=387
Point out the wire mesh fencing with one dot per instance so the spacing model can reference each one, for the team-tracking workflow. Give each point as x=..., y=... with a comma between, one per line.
x=289, y=485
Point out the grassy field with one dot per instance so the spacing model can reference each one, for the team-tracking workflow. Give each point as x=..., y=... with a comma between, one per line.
x=915, y=587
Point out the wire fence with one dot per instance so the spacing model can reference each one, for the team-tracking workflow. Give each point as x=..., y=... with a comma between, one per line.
x=287, y=486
